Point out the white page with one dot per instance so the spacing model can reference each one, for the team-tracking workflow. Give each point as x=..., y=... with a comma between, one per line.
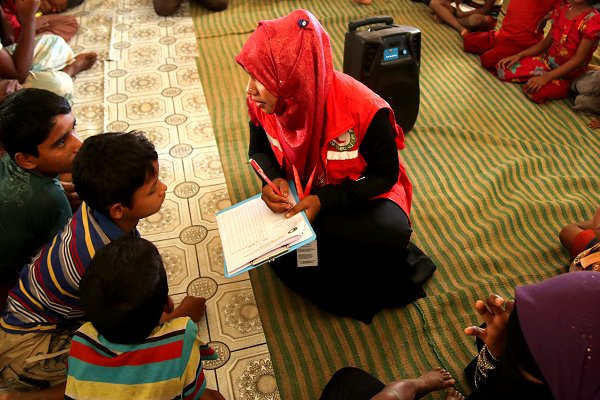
x=249, y=230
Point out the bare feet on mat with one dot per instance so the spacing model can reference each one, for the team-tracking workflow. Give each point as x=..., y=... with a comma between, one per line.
x=436, y=379
x=463, y=32
x=594, y=123
x=454, y=394
x=82, y=62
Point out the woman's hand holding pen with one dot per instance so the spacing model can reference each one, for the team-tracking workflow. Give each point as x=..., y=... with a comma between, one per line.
x=310, y=204
x=276, y=203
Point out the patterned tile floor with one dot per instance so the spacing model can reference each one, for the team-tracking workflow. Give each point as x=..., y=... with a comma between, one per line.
x=146, y=79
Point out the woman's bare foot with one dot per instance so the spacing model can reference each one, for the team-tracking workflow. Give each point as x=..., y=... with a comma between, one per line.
x=454, y=394
x=82, y=62
x=436, y=379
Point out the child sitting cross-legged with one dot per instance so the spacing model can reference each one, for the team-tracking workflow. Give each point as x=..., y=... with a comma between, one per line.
x=549, y=67
x=125, y=351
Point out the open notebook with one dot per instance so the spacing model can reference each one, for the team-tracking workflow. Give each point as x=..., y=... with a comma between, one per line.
x=251, y=234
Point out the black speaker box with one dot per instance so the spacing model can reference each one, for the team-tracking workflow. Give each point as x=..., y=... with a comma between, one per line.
x=387, y=58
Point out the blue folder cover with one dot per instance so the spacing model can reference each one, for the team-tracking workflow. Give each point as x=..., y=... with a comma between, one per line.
x=305, y=238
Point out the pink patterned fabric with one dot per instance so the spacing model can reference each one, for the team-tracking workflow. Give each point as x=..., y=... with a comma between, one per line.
x=291, y=57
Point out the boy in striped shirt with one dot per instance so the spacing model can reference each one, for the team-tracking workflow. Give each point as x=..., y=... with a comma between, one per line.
x=116, y=176
x=125, y=352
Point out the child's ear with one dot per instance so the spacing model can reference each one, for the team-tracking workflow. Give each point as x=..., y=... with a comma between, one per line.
x=116, y=211
x=26, y=161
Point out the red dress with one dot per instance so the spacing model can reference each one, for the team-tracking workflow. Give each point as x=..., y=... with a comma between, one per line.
x=518, y=32
x=567, y=35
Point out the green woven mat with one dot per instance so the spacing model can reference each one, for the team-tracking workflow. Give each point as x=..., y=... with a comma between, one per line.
x=495, y=178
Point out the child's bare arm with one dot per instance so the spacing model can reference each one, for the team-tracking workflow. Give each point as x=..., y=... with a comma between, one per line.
x=586, y=47
x=193, y=307
x=23, y=54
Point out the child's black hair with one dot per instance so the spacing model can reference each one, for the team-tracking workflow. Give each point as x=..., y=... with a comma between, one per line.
x=110, y=167
x=124, y=290
x=26, y=118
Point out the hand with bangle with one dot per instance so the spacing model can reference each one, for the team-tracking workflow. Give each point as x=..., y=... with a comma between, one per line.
x=495, y=311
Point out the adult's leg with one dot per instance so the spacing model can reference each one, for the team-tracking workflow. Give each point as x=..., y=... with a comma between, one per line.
x=364, y=262
x=415, y=388
x=351, y=383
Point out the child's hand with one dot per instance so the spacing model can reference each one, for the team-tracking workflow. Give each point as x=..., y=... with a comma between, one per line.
x=41, y=23
x=534, y=84
x=508, y=62
x=191, y=306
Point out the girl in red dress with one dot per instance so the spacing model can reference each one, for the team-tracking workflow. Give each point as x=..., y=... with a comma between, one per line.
x=549, y=67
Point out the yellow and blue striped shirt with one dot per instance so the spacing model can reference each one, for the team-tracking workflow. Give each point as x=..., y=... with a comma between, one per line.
x=47, y=294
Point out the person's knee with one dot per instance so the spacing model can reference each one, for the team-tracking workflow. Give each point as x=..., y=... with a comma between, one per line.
x=435, y=5
x=489, y=61
x=568, y=233
x=481, y=22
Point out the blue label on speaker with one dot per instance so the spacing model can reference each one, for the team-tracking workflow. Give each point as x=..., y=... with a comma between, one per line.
x=390, y=54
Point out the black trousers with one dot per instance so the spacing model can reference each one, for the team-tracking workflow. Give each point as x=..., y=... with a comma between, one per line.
x=351, y=383
x=366, y=262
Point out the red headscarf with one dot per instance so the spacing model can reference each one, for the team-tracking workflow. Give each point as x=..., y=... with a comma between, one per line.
x=291, y=58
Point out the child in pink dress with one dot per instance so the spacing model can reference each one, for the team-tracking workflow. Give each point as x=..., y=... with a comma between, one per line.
x=549, y=67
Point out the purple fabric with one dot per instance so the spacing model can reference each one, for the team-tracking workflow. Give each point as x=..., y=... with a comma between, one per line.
x=561, y=324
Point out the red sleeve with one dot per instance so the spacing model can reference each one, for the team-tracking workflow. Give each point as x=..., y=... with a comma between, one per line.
x=591, y=30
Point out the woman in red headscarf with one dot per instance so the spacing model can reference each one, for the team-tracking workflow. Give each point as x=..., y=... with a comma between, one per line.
x=338, y=142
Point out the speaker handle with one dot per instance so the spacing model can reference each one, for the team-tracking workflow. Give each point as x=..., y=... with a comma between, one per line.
x=381, y=19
